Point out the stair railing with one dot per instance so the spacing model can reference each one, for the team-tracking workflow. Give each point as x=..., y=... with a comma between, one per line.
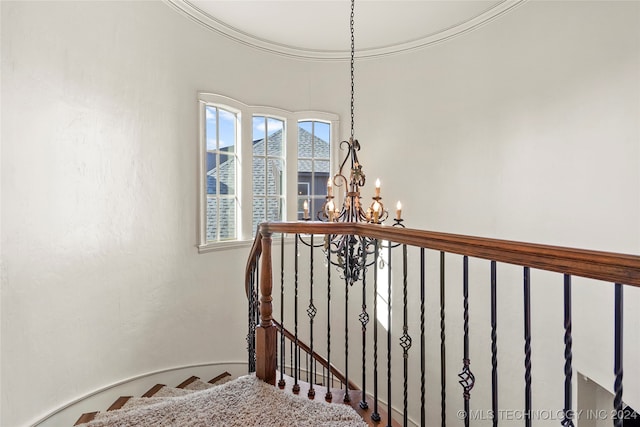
x=618, y=269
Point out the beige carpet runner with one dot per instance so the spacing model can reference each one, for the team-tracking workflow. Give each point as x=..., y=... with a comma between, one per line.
x=243, y=402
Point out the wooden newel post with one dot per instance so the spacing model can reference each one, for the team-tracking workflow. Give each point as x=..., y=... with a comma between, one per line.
x=266, y=357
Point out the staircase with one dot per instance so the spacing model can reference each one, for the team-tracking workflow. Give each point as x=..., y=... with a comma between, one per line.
x=161, y=393
x=156, y=394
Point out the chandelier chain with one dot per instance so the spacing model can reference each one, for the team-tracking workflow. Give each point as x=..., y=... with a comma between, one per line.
x=352, y=65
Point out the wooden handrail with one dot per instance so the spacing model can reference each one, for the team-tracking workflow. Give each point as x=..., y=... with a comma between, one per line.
x=254, y=255
x=606, y=266
x=304, y=347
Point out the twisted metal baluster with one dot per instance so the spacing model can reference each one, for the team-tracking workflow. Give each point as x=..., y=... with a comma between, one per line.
x=443, y=362
x=494, y=344
x=296, y=368
x=617, y=364
x=311, y=312
x=364, y=319
x=281, y=382
x=467, y=378
x=405, y=340
x=328, y=395
x=567, y=420
x=251, y=333
x=527, y=347
x=375, y=416
x=348, y=259
x=389, y=420
x=422, y=338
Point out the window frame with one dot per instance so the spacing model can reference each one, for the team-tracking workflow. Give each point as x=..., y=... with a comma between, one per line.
x=244, y=153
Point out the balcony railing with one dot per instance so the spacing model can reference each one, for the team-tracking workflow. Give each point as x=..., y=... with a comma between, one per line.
x=388, y=331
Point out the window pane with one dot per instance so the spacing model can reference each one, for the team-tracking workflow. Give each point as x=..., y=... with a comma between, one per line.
x=259, y=212
x=227, y=174
x=316, y=205
x=227, y=218
x=305, y=148
x=322, y=131
x=211, y=173
x=320, y=146
x=259, y=133
x=259, y=174
x=307, y=126
x=303, y=188
x=210, y=127
x=274, y=209
x=227, y=129
x=274, y=141
x=320, y=184
x=304, y=166
x=274, y=177
x=212, y=218
x=313, y=164
x=321, y=167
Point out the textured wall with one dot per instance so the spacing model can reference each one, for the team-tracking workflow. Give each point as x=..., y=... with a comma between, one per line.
x=101, y=276
x=525, y=129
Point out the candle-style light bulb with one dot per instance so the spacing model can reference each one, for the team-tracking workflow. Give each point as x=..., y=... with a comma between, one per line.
x=329, y=188
x=399, y=211
x=378, y=187
x=305, y=208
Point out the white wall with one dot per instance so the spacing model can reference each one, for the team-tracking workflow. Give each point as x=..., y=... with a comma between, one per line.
x=101, y=277
x=525, y=129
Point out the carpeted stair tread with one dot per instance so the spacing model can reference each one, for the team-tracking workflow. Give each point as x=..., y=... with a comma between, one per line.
x=221, y=379
x=136, y=402
x=156, y=394
x=119, y=403
x=85, y=418
x=245, y=401
x=171, y=392
x=198, y=385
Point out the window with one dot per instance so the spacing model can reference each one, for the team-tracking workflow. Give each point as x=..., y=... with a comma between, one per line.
x=221, y=138
x=258, y=164
x=314, y=164
x=268, y=169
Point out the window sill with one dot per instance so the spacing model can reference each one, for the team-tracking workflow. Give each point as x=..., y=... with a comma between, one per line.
x=221, y=246
x=235, y=244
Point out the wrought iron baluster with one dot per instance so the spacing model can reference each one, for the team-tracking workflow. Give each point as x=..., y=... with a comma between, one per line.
x=328, y=395
x=311, y=312
x=443, y=361
x=466, y=376
x=405, y=339
x=527, y=347
x=375, y=416
x=251, y=333
x=296, y=369
x=347, y=260
x=567, y=420
x=618, y=420
x=389, y=420
x=422, y=339
x=364, y=319
x=494, y=344
x=281, y=382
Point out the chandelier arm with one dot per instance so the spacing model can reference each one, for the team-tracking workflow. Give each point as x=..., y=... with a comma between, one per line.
x=308, y=244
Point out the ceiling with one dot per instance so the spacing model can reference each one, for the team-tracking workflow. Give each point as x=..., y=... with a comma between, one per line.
x=320, y=28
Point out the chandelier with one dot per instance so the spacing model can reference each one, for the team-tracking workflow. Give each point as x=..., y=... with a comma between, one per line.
x=351, y=251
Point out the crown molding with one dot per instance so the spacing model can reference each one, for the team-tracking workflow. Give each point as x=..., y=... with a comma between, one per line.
x=196, y=14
